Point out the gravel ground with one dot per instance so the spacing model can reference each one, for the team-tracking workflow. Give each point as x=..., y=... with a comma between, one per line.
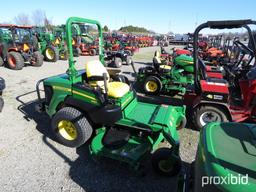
x=32, y=161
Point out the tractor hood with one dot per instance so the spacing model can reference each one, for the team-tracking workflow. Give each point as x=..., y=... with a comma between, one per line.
x=2, y=84
x=230, y=149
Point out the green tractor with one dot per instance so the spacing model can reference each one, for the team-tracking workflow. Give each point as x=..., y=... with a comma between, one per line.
x=60, y=42
x=163, y=78
x=17, y=47
x=225, y=160
x=83, y=42
x=51, y=46
x=100, y=101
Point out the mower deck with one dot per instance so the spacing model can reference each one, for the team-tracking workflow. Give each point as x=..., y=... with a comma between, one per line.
x=131, y=152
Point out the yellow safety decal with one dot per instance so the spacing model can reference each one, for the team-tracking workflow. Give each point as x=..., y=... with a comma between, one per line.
x=61, y=88
x=84, y=95
x=190, y=62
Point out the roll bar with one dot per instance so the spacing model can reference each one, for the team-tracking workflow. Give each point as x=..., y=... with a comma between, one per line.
x=71, y=70
x=225, y=24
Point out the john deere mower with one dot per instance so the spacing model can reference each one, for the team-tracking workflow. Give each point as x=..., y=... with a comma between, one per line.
x=2, y=87
x=17, y=47
x=50, y=44
x=96, y=100
x=165, y=78
x=225, y=160
x=60, y=42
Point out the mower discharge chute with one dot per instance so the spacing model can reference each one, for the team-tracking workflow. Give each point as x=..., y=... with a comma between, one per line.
x=101, y=100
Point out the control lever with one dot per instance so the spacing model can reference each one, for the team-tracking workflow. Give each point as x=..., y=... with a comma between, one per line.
x=135, y=72
x=105, y=77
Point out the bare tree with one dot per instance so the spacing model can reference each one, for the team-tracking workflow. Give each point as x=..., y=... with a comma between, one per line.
x=38, y=17
x=48, y=23
x=22, y=19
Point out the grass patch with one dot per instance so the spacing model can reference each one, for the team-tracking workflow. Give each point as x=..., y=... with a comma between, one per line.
x=143, y=56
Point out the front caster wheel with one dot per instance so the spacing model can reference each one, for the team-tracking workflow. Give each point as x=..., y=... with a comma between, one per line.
x=165, y=163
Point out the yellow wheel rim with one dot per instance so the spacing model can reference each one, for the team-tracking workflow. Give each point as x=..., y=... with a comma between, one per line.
x=49, y=53
x=151, y=86
x=67, y=130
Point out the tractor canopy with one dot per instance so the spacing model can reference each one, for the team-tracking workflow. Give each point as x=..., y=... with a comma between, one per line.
x=17, y=35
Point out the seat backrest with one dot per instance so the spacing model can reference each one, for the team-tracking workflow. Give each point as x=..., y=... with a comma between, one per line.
x=95, y=68
x=157, y=60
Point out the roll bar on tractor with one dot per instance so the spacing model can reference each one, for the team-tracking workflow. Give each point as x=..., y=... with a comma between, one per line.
x=226, y=24
x=72, y=72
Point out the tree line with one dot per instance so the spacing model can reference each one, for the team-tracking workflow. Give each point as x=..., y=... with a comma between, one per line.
x=135, y=29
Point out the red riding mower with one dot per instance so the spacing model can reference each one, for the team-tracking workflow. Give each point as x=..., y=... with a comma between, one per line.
x=183, y=56
x=81, y=48
x=132, y=47
x=167, y=57
x=230, y=99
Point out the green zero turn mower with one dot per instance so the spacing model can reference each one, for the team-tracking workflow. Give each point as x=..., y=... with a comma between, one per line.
x=97, y=100
x=170, y=79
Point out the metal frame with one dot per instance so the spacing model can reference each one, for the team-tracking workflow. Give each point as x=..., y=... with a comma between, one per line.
x=225, y=24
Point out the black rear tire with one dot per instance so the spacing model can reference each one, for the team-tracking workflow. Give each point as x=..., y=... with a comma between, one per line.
x=77, y=51
x=15, y=60
x=149, y=89
x=92, y=52
x=117, y=62
x=128, y=52
x=201, y=111
x=38, y=57
x=128, y=60
x=165, y=163
x=35, y=43
x=82, y=126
